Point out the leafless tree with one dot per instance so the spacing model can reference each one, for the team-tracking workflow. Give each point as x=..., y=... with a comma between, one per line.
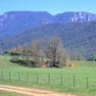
x=36, y=52
x=56, y=52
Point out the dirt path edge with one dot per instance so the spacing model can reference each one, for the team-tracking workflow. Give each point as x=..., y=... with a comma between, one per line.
x=31, y=91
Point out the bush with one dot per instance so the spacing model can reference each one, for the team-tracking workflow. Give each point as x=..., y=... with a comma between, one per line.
x=23, y=62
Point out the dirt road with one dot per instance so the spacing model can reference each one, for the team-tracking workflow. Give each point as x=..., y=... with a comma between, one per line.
x=31, y=92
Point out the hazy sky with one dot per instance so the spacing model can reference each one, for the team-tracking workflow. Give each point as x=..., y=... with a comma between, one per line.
x=51, y=6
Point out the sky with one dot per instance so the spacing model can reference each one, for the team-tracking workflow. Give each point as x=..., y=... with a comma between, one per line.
x=51, y=6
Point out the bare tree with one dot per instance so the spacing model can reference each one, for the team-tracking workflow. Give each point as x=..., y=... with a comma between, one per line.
x=35, y=52
x=56, y=52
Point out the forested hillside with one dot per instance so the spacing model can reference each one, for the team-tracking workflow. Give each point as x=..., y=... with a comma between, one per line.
x=76, y=37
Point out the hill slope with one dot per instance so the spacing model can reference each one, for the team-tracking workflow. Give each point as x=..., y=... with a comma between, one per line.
x=76, y=37
x=75, y=28
x=14, y=23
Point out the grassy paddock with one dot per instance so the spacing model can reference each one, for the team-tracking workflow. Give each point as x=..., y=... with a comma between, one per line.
x=80, y=79
x=3, y=93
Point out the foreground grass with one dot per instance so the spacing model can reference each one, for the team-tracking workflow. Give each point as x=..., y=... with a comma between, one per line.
x=2, y=93
x=80, y=79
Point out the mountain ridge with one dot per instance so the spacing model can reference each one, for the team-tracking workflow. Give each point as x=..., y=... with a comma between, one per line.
x=19, y=28
x=14, y=22
x=76, y=37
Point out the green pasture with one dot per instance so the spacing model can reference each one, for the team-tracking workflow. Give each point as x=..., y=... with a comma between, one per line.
x=79, y=79
x=2, y=93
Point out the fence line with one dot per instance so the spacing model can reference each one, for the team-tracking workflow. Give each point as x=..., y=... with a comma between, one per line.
x=50, y=79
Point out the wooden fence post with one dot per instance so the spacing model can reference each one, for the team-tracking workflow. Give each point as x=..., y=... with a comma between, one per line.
x=74, y=81
x=19, y=77
x=9, y=75
x=61, y=79
x=1, y=75
x=49, y=78
x=87, y=79
x=37, y=81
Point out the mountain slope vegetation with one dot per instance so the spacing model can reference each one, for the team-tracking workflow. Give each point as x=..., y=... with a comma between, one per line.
x=76, y=37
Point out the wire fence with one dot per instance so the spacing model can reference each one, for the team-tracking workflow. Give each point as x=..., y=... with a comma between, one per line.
x=71, y=81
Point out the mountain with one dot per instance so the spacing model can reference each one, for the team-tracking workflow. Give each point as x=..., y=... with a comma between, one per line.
x=13, y=23
x=77, y=30
x=76, y=37
x=75, y=17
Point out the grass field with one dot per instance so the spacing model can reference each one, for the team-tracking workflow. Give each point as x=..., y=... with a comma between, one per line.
x=80, y=79
x=2, y=93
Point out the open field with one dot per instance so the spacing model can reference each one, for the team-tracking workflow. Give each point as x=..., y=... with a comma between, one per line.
x=3, y=93
x=80, y=79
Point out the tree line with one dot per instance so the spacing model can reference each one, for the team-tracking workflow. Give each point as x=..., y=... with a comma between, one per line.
x=48, y=53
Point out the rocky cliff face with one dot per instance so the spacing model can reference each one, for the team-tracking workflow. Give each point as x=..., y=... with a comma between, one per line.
x=83, y=17
x=35, y=19
x=75, y=17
